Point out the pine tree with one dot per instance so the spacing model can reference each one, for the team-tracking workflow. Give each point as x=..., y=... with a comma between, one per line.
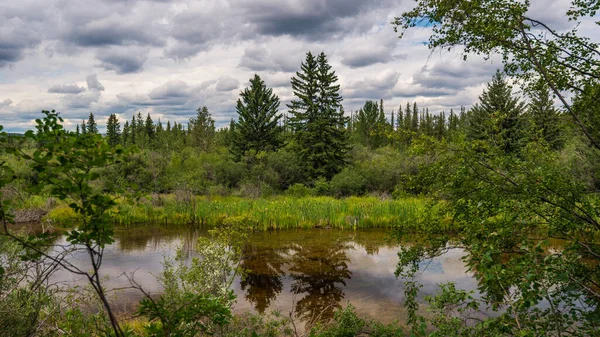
x=544, y=119
x=317, y=119
x=408, y=118
x=113, y=130
x=92, y=127
x=400, y=121
x=149, y=128
x=415, y=118
x=202, y=129
x=134, y=130
x=126, y=134
x=497, y=116
x=77, y=132
x=257, y=126
x=83, y=127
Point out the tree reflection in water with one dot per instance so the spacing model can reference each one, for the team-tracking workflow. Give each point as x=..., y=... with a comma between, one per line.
x=262, y=282
x=319, y=269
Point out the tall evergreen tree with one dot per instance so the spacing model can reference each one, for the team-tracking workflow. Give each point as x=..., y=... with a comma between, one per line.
x=317, y=120
x=497, y=116
x=113, y=130
x=149, y=128
x=134, y=130
x=257, y=126
x=408, y=117
x=202, y=129
x=126, y=134
x=415, y=118
x=83, y=127
x=544, y=118
x=400, y=121
x=77, y=132
x=92, y=127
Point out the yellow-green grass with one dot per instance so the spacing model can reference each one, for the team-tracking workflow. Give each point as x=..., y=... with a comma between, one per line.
x=267, y=213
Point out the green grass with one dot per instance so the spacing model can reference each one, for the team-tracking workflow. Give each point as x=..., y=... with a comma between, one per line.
x=268, y=213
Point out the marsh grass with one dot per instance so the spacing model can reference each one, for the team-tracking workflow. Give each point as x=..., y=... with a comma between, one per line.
x=267, y=213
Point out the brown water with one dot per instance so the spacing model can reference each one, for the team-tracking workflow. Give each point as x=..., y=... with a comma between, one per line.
x=311, y=272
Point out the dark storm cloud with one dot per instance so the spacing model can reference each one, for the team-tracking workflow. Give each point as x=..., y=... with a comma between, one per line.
x=93, y=83
x=454, y=76
x=311, y=19
x=358, y=58
x=122, y=61
x=111, y=32
x=15, y=39
x=66, y=89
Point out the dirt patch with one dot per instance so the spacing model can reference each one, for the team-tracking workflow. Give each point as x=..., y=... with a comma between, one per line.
x=29, y=215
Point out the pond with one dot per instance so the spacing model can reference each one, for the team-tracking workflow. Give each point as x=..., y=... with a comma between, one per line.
x=310, y=272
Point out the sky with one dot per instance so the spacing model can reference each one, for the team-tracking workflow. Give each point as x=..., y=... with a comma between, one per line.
x=168, y=58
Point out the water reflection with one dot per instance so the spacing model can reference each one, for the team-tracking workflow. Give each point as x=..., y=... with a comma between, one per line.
x=263, y=267
x=319, y=270
x=310, y=272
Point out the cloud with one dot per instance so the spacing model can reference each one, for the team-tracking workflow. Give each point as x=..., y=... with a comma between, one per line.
x=93, y=83
x=363, y=57
x=309, y=19
x=259, y=58
x=80, y=101
x=376, y=87
x=226, y=83
x=111, y=31
x=122, y=61
x=15, y=39
x=6, y=103
x=66, y=89
x=454, y=75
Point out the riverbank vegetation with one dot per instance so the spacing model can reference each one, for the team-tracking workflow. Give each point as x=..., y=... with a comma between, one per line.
x=500, y=180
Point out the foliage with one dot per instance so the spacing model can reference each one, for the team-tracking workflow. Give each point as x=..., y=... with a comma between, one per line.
x=497, y=116
x=371, y=125
x=257, y=127
x=346, y=323
x=317, y=121
x=197, y=296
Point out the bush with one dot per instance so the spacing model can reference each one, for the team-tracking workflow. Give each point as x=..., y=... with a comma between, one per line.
x=298, y=190
x=348, y=182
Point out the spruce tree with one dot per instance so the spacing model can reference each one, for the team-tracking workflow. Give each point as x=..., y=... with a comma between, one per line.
x=149, y=128
x=408, y=118
x=134, y=130
x=257, y=126
x=317, y=120
x=126, y=133
x=202, y=129
x=400, y=121
x=497, y=116
x=415, y=118
x=77, y=132
x=83, y=127
x=544, y=118
x=113, y=130
x=92, y=127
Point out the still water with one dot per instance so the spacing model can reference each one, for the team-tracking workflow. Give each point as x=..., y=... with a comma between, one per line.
x=309, y=272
